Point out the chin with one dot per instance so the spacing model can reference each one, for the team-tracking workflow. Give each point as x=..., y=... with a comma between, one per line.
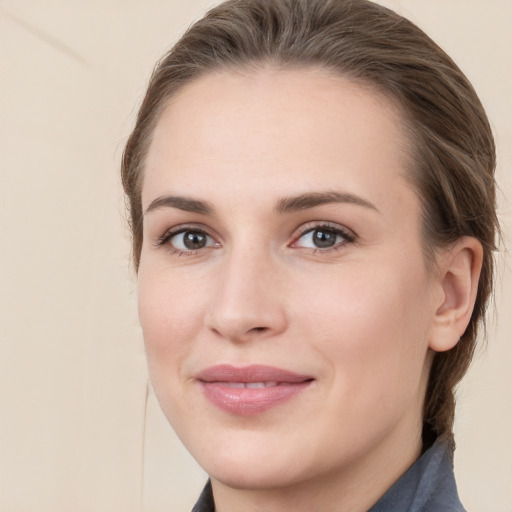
x=256, y=464
x=249, y=476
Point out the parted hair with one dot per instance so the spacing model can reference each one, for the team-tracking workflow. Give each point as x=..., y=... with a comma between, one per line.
x=452, y=146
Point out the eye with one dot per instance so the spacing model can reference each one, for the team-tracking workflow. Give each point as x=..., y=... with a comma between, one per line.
x=323, y=238
x=188, y=240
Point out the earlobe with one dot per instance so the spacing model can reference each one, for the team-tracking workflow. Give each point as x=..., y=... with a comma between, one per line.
x=459, y=267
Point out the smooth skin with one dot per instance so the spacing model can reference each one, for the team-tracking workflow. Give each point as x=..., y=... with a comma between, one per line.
x=281, y=229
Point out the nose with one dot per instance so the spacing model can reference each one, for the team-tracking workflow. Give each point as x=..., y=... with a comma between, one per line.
x=247, y=302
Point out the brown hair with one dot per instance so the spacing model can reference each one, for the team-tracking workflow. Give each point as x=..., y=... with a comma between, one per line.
x=454, y=153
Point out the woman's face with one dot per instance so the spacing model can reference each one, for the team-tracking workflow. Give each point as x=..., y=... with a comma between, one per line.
x=283, y=293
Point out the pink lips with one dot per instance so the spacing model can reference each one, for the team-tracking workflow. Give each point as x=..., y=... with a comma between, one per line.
x=252, y=389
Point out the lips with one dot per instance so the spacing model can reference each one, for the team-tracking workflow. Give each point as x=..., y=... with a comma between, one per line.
x=252, y=389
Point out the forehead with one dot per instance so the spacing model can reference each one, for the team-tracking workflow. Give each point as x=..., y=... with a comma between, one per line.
x=267, y=128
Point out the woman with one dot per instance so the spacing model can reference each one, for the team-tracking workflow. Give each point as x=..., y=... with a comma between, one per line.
x=311, y=189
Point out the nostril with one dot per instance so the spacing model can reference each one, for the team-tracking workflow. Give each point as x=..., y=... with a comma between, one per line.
x=259, y=329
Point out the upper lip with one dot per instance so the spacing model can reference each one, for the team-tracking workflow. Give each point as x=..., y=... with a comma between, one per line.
x=252, y=373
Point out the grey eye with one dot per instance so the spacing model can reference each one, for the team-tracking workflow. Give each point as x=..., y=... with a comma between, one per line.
x=191, y=240
x=320, y=238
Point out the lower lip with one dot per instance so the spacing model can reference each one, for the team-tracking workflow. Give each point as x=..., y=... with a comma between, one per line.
x=247, y=401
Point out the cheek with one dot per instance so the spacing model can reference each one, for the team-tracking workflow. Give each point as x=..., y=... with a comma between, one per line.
x=373, y=327
x=170, y=317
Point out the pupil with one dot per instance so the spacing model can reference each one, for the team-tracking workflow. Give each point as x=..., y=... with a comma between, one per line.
x=194, y=240
x=324, y=239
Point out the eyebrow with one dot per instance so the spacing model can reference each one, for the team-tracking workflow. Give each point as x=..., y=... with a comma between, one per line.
x=284, y=205
x=186, y=204
x=312, y=199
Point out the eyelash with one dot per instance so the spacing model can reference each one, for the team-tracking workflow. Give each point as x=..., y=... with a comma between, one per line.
x=348, y=237
x=168, y=235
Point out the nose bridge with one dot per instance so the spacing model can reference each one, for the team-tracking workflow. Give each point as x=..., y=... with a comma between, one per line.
x=247, y=301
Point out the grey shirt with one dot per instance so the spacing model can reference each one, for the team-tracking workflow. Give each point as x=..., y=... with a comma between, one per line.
x=427, y=486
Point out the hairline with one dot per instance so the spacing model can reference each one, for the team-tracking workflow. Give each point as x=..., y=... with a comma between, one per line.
x=409, y=145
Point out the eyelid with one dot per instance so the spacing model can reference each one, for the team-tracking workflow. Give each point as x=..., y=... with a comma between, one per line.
x=181, y=228
x=326, y=224
x=347, y=234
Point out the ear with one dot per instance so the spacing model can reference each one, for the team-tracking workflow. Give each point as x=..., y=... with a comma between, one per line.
x=459, y=268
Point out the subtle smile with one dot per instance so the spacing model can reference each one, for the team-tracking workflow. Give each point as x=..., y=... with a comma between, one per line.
x=250, y=390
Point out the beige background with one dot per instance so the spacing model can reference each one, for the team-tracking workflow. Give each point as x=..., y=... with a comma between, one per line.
x=76, y=430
